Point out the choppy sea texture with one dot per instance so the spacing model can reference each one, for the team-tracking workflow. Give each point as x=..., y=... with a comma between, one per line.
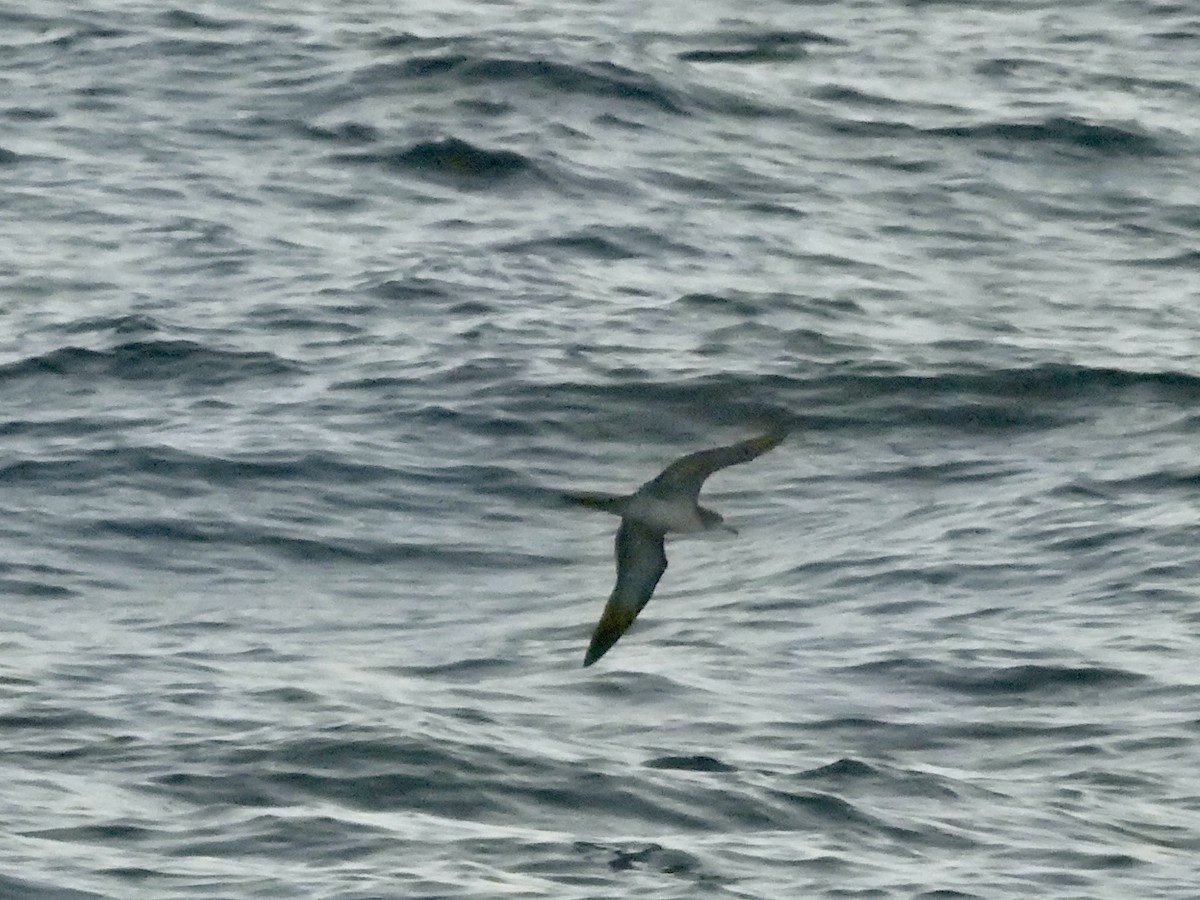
x=307, y=312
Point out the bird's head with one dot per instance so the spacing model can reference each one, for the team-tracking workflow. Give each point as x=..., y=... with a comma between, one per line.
x=713, y=520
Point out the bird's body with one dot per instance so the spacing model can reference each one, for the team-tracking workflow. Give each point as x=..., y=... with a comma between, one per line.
x=664, y=514
x=664, y=505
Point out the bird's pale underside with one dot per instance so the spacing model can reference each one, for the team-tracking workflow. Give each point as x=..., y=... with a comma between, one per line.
x=665, y=504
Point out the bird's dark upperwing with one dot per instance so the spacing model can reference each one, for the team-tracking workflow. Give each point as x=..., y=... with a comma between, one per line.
x=686, y=476
x=641, y=561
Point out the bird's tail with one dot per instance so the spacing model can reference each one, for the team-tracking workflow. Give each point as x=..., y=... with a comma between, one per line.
x=611, y=503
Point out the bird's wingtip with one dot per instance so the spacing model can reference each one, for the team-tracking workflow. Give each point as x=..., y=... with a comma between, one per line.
x=613, y=623
x=601, y=644
x=603, y=502
x=770, y=440
x=594, y=652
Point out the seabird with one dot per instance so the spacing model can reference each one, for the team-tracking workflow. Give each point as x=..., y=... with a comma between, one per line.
x=667, y=503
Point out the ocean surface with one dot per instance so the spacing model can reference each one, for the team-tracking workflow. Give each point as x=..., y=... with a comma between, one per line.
x=308, y=311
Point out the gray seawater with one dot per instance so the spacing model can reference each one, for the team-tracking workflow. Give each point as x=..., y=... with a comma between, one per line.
x=307, y=310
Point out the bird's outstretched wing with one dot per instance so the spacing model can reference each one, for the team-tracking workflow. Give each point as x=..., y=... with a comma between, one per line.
x=686, y=475
x=641, y=561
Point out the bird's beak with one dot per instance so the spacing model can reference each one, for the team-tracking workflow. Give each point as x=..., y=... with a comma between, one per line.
x=728, y=528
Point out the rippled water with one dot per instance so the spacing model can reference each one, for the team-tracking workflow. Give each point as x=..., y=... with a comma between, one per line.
x=306, y=315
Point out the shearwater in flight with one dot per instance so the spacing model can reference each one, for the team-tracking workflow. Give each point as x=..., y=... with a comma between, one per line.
x=667, y=503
